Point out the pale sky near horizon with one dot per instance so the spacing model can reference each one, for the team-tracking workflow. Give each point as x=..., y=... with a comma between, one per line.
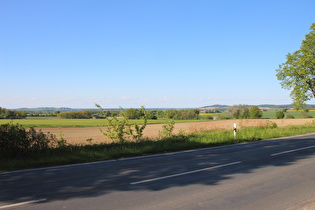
x=155, y=53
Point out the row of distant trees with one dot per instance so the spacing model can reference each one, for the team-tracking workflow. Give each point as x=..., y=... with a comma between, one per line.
x=134, y=114
x=243, y=111
x=75, y=115
x=236, y=111
x=9, y=114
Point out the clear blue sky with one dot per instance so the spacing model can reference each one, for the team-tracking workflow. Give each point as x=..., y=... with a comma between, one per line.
x=156, y=53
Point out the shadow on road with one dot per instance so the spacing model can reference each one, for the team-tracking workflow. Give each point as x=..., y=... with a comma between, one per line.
x=91, y=180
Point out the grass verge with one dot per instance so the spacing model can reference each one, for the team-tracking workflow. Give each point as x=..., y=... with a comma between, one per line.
x=71, y=154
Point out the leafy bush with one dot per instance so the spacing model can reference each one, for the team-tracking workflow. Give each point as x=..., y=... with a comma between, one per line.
x=120, y=129
x=271, y=124
x=16, y=141
x=255, y=112
x=288, y=116
x=167, y=130
x=279, y=114
x=209, y=118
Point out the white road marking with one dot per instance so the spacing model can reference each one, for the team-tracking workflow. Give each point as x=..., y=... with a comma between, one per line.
x=293, y=150
x=185, y=173
x=23, y=203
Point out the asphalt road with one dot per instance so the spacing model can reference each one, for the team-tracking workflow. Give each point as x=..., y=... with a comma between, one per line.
x=276, y=174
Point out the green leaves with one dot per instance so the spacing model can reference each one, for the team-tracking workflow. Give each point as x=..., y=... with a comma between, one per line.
x=119, y=128
x=298, y=72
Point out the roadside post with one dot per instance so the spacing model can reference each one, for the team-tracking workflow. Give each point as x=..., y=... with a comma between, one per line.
x=234, y=129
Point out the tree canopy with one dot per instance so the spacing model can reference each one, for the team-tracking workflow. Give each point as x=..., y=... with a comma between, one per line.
x=298, y=72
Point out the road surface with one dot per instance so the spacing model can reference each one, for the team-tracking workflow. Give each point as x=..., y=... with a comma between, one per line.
x=275, y=174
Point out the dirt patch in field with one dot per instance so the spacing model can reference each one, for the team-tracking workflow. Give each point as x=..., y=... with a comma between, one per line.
x=80, y=135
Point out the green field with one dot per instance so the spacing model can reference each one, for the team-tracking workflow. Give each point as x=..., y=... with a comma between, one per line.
x=54, y=122
x=270, y=114
x=47, y=122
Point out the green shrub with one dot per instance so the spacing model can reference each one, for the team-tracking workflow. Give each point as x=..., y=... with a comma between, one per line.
x=279, y=114
x=271, y=124
x=209, y=117
x=120, y=129
x=255, y=112
x=288, y=116
x=167, y=130
x=16, y=141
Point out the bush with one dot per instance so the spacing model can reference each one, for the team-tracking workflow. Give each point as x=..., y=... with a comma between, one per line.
x=16, y=141
x=209, y=118
x=288, y=116
x=255, y=112
x=279, y=114
x=120, y=129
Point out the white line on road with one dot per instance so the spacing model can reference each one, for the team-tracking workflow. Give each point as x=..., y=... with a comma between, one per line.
x=23, y=203
x=185, y=173
x=293, y=150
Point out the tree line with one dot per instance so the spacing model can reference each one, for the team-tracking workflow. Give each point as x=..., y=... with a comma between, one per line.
x=9, y=114
x=243, y=111
x=237, y=111
x=134, y=114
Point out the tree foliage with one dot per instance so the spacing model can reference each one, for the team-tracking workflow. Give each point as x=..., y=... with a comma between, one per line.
x=75, y=115
x=255, y=112
x=298, y=72
x=239, y=111
x=120, y=129
x=8, y=114
x=16, y=141
x=279, y=114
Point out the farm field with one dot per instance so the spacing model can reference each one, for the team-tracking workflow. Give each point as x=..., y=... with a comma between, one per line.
x=54, y=122
x=270, y=114
x=77, y=131
x=80, y=135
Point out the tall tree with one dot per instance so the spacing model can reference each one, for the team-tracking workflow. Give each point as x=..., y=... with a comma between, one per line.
x=298, y=72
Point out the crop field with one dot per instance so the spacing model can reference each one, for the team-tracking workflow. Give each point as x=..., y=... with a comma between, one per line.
x=54, y=122
x=80, y=134
x=270, y=114
x=78, y=131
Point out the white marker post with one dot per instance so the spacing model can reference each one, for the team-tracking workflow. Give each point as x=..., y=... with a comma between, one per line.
x=235, y=129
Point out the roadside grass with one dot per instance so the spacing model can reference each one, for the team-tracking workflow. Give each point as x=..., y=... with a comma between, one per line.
x=71, y=154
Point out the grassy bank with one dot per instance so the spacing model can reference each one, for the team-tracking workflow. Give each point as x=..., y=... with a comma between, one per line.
x=78, y=154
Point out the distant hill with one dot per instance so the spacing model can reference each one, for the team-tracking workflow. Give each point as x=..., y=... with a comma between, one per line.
x=51, y=109
x=45, y=110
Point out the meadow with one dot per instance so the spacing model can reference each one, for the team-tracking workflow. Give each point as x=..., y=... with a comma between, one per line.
x=269, y=114
x=55, y=122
